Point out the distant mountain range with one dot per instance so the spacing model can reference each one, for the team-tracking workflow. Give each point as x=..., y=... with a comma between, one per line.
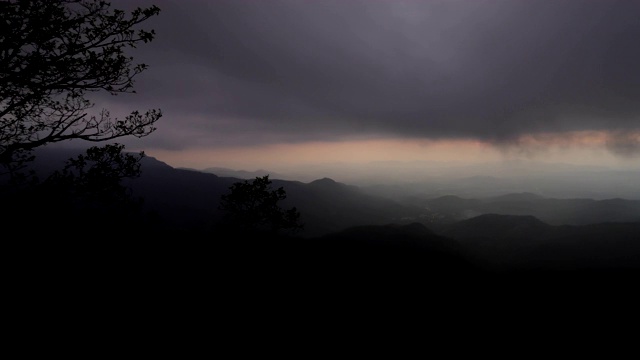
x=397, y=179
x=447, y=209
x=243, y=174
x=525, y=242
x=519, y=230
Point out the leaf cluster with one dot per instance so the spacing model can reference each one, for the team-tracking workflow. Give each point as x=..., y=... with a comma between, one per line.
x=52, y=54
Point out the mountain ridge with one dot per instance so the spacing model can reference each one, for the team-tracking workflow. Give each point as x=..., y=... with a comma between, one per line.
x=185, y=208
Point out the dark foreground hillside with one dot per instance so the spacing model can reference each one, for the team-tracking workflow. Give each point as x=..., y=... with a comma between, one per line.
x=178, y=284
x=508, y=242
x=175, y=261
x=492, y=254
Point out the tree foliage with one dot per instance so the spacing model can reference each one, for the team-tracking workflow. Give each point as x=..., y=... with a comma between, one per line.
x=97, y=175
x=253, y=206
x=87, y=196
x=52, y=55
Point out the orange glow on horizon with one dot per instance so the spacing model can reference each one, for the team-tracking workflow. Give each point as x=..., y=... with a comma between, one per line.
x=584, y=147
x=286, y=155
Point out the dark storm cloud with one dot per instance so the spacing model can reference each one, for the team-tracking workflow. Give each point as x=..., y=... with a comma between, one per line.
x=268, y=70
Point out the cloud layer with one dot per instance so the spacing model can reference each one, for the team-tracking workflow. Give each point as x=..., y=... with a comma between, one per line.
x=247, y=72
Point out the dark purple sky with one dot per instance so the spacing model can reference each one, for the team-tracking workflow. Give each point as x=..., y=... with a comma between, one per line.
x=236, y=72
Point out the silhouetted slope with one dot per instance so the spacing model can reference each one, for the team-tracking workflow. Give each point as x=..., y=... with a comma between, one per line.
x=328, y=206
x=183, y=204
x=594, y=246
x=182, y=199
x=498, y=227
x=549, y=210
x=191, y=199
x=391, y=248
x=508, y=241
x=176, y=261
x=361, y=256
x=188, y=200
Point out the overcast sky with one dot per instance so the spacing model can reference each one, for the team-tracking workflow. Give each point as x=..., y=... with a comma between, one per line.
x=304, y=74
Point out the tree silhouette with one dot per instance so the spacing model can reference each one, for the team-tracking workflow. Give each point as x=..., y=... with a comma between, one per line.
x=252, y=206
x=97, y=176
x=85, y=198
x=52, y=54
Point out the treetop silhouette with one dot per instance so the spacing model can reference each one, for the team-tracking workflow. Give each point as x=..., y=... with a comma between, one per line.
x=253, y=206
